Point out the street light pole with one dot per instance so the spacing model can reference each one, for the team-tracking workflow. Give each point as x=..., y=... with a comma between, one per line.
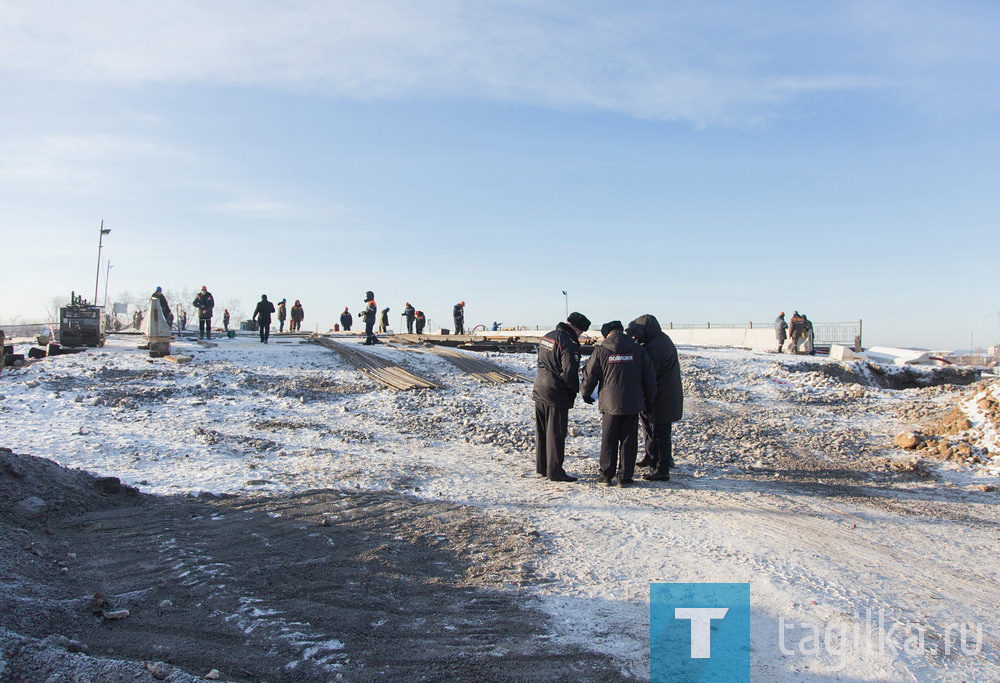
x=567, y=302
x=107, y=273
x=100, y=244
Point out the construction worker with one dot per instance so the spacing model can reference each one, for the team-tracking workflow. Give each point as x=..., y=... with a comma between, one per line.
x=225, y=319
x=780, y=330
x=369, y=315
x=346, y=319
x=297, y=316
x=164, y=306
x=411, y=314
x=421, y=320
x=668, y=404
x=205, y=303
x=557, y=382
x=797, y=329
x=625, y=378
x=383, y=323
x=458, y=313
x=282, y=315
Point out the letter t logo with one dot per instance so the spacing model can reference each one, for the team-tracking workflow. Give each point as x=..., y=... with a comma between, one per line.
x=701, y=627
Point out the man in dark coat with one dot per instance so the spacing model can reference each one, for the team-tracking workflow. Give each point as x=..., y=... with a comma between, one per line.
x=225, y=319
x=383, y=323
x=556, y=385
x=262, y=314
x=411, y=313
x=421, y=320
x=204, y=302
x=625, y=379
x=458, y=313
x=346, y=319
x=780, y=330
x=668, y=404
x=369, y=315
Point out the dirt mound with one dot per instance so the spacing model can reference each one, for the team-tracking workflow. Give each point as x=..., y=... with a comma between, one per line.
x=967, y=434
x=314, y=586
x=871, y=374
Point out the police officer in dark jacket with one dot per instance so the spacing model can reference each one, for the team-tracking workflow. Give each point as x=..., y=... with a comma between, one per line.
x=346, y=319
x=556, y=384
x=205, y=303
x=262, y=314
x=668, y=405
x=625, y=379
x=411, y=313
x=369, y=315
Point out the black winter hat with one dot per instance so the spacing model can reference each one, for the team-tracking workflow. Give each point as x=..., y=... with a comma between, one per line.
x=369, y=296
x=608, y=328
x=579, y=321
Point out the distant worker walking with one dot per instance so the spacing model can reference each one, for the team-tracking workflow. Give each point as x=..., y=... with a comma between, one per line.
x=282, y=315
x=668, y=404
x=780, y=330
x=557, y=383
x=297, y=316
x=421, y=320
x=625, y=381
x=346, y=319
x=411, y=314
x=459, y=315
x=262, y=314
x=205, y=303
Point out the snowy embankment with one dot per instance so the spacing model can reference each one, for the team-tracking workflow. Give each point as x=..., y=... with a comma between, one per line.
x=786, y=480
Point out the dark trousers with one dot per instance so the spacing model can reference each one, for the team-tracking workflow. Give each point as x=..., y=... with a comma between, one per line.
x=619, y=445
x=420, y=327
x=459, y=326
x=265, y=330
x=409, y=325
x=370, y=332
x=658, y=448
x=281, y=325
x=205, y=327
x=551, y=427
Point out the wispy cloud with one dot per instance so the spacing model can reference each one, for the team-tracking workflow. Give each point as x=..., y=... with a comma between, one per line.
x=704, y=62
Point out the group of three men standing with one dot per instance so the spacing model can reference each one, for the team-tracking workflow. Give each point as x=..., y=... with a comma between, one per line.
x=637, y=377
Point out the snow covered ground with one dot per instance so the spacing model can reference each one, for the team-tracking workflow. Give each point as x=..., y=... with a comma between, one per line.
x=786, y=480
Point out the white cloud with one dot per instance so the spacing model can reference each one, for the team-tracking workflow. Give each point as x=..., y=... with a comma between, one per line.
x=709, y=63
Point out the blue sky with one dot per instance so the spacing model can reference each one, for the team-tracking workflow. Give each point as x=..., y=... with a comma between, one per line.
x=700, y=161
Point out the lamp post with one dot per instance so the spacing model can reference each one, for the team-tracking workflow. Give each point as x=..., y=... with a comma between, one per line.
x=567, y=302
x=100, y=244
x=107, y=273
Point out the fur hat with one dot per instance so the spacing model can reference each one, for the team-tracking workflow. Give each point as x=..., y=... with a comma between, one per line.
x=579, y=321
x=608, y=328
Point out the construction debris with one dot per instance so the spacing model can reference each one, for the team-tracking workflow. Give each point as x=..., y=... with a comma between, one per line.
x=376, y=367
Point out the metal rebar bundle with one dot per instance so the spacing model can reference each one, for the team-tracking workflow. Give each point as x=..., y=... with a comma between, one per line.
x=376, y=367
x=481, y=369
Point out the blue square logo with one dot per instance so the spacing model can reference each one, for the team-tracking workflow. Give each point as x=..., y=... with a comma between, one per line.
x=699, y=632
